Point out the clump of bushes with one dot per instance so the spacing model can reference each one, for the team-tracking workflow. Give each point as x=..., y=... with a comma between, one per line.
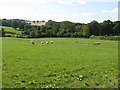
x=8, y=35
x=117, y=38
x=19, y=36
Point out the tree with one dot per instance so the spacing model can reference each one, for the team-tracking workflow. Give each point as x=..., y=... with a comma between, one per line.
x=37, y=21
x=86, y=32
x=27, y=26
x=15, y=24
x=27, y=29
x=42, y=21
x=94, y=28
x=49, y=23
x=21, y=26
x=38, y=33
x=106, y=27
x=2, y=32
x=32, y=34
x=116, y=29
x=55, y=28
x=78, y=34
x=33, y=21
x=6, y=22
x=67, y=26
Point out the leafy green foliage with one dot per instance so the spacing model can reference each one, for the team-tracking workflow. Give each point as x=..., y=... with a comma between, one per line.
x=106, y=37
x=65, y=28
x=86, y=32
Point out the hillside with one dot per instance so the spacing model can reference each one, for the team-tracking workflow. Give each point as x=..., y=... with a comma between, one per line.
x=11, y=31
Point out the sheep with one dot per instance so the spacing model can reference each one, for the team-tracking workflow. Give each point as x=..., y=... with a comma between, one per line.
x=97, y=43
x=51, y=42
x=41, y=42
x=47, y=42
x=32, y=42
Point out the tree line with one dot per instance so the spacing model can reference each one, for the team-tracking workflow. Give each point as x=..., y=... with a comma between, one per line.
x=65, y=28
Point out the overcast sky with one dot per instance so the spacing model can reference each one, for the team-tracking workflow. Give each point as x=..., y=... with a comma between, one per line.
x=82, y=11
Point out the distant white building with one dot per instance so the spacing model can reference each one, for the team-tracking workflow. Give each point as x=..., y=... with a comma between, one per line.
x=37, y=23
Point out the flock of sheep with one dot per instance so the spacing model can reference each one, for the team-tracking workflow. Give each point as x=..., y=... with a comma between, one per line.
x=47, y=42
x=43, y=42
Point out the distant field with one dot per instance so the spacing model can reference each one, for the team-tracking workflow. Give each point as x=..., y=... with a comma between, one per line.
x=36, y=23
x=10, y=30
x=67, y=63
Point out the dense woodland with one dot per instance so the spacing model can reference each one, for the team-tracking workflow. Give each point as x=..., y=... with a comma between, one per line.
x=64, y=28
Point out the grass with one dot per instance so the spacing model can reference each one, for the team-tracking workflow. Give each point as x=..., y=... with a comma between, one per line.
x=64, y=64
x=10, y=29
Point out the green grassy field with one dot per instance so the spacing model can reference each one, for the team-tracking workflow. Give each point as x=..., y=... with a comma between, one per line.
x=67, y=63
x=10, y=30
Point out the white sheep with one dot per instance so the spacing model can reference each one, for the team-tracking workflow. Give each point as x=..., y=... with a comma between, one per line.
x=47, y=42
x=51, y=42
x=41, y=42
x=32, y=42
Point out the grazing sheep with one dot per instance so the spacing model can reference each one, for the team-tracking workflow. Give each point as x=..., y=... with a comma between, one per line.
x=97, y=43
x=47, y=42
x=32, y=42
x=51, y=42
x=41, y=42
